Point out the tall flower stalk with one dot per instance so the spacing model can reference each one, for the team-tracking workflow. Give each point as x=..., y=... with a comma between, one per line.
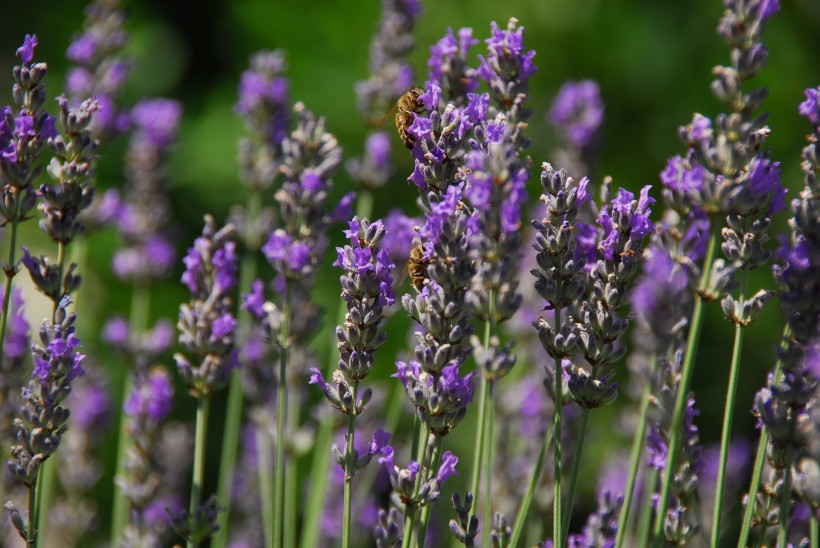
x=724, y=174
x=560, y=280
x=207, y=329
x=366, y=290
x=263, y=104
x=791, y=392
x=24, y=131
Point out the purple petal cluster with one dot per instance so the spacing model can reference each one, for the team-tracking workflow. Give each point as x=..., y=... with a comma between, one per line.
x=311, y=156
x=206, y=324
x=262, y=101
x=151, y=396
x=24, y=130
x=73, y=170
x=496, y=188
x=403, y=480
x=625, y=224
x=810, y=108
x=448, y=65
x=100, y=70
x=374, y=168
x=390, y=73
x=578, y=112
x=144, y=215
x=42, y=418
x=367, y=289
x=440, y=399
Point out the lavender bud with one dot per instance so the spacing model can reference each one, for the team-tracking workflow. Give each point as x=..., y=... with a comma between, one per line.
x=466, y=528
x=388, y=530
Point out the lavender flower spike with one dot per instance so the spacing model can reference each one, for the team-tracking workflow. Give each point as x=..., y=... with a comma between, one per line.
x=578, y=112
x=367, y=290
x=206, y=324
x=43, y=416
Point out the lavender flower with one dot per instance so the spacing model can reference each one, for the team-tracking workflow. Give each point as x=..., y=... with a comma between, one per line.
x=786, y=403
x=403, y=480
x=263, y=104
x=601, y=526
x=22, y=135
x=507, y=70
x=72, y=168
x=148, y=254
x=12, y=365
x=390, y=73
x=578, y=112
x=449, y=68
x=100, y=70
x=374, y=169
x=42, y=417
x=367, y=290
x=206, y=324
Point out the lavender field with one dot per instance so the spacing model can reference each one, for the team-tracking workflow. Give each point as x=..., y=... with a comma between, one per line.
x=400, y=274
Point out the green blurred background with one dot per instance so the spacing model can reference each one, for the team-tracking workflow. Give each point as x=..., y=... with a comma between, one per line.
x=652, y=60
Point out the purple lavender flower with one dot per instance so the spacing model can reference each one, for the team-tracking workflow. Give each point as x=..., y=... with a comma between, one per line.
x=403, y=480
x=578, y=112
x=24, y=130
x=13, y=364
x=151, y=397
x=390, y=73
x=810, y=107
x=100, y=70
x=206, y=324
x=375, y=168
x=157, y=120
x=263, y=96
x=57, y=364
x=448, y=65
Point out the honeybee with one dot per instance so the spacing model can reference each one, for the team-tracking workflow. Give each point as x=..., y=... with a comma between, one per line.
x=417, y=266
x=407, y=106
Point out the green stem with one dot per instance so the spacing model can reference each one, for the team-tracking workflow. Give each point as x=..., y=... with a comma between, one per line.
x=521, y=518
x=425, y=513
x=813, y=533
x=198, y=478
x=635, y=459
x=281, y=406
x=557, y=534
x=318, y=486
x=31, y=534
x=349, y=470
x=233, y=418
x=140, y=306
x=576, y=466
x=61, y=249
x=263, y=449
x=410, y=511
x=488, y=466
x=645, y=519
x=79, y=256
x=757, y=470
x=726, y=434
x=478, y=454
x=687, y=369
x=11, y=271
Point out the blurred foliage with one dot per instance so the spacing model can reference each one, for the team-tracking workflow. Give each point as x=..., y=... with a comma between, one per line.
x=652, y=60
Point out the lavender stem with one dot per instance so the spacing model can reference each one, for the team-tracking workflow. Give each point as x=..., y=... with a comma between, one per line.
x=233, y=418
x=281, y=411
x=202, y=405
x=731, y=391
x=425, y=513
x=140, y=305
x=478, y=455
x=692, y=342
x=266, y=484
x=757, y=471
x=488, y=477
x=635, y=459
x=576, y=465
x=410, y=511
x=11, y=270
x=557, y=536
x=521, y=518
x=349, y=470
